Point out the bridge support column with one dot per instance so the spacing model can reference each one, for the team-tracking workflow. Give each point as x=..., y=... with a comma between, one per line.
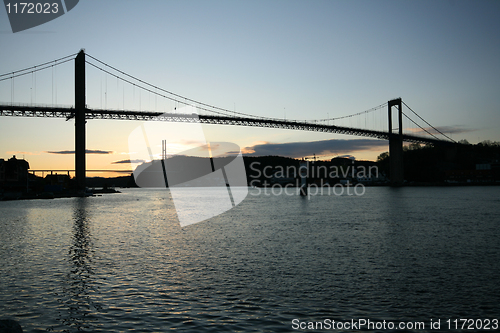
x=80, y=166
x=396, y=145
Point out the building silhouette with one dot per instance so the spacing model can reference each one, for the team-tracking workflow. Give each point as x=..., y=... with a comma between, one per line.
x=13, y=173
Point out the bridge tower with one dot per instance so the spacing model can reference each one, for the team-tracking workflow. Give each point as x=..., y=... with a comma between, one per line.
x=80, y=105
x=396, y=145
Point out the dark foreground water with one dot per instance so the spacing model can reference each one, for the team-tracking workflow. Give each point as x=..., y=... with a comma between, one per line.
x=121, y=263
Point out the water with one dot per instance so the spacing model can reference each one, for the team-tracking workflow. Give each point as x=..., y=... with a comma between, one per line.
x=121, y=263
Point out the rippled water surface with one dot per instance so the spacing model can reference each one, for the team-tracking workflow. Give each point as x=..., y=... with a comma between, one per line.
x=121, y=262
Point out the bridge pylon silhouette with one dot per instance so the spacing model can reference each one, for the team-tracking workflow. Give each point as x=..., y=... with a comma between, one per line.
x=396, y=144
x=80, y=105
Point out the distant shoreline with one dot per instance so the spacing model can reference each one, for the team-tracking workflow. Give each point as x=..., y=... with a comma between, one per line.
x=12, y=196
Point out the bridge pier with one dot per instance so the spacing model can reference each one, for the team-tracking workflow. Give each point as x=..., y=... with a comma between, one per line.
x=80, y=165
x=396, y=145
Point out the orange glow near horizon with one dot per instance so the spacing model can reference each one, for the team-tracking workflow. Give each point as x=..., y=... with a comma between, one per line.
x=47, y=143
x=64, y=162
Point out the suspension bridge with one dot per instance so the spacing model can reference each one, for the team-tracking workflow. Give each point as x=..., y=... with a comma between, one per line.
x=80, y=112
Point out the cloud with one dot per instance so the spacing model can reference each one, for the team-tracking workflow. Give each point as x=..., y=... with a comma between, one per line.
x=323, y=147
x=205, y=147
x=347, y=156
x=442, y=129
x=87, y=151
x=190, y=142
x=22, y=153
x=127, y=161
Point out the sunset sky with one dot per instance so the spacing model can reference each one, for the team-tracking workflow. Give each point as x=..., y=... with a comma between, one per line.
x=281, y=59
